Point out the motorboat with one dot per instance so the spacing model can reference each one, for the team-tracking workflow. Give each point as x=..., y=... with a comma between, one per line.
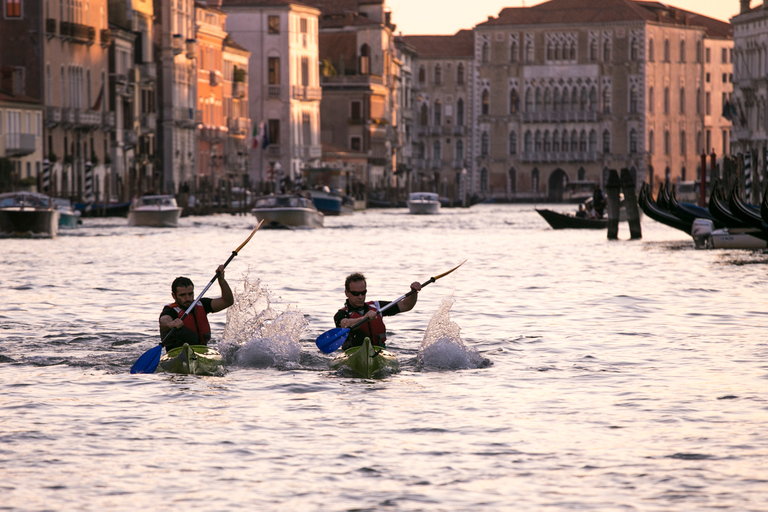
x=69, y=218
x=28, y=214
x=287, y=211
x=154, y=211
x=423, y=203
x=705, y=236
x=331, y=203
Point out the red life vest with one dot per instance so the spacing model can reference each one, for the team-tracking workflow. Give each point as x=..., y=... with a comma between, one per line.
x=374, y=329
x=196, y=321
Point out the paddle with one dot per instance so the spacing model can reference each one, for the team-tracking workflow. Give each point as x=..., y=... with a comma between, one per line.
x=333, y=339
x=148, y=361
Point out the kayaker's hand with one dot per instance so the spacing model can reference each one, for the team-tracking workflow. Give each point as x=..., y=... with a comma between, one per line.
x=372, y=314
x=416, y=286
x=177, y=324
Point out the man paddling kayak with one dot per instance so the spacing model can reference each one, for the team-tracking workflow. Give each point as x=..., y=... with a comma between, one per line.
x=355, y=308
x=194, y=329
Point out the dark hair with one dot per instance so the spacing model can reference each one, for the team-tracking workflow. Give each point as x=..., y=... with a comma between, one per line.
x=180, y=282
x=357, y=276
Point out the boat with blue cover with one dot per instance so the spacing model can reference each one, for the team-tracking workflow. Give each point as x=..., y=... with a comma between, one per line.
x=366, y=361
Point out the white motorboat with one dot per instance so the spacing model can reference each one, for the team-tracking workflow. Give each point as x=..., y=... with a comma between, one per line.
x=69, y=218
x=423, y=203
x=287, y=210
x=28, y=214
x=705, y=236
x=154, y=211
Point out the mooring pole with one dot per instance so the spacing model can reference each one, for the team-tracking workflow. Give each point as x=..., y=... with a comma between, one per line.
x=613, y=188
x=630, y=204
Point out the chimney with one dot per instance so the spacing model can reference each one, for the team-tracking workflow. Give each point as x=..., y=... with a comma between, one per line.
x=744, y=6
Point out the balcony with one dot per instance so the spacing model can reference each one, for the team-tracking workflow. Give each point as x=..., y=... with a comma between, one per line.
x=561, y=156
x=311, y=152
x=436, y=130
x=177, y=43
x=87, y=119
x=67, y=117
x=435, y=163
x=741, y=134
x=77, y=33
x=459, y=131
x=352, y=80
x=148, y=122
x=238, y=126
x=274, y=151
x=106, y=37
x=567, y=116
x=52, y=116
x=238, y=90
x=148, y=72
x=19, y=144
x=130, y=138
x=274, y=91
x=50, y=27
x=107, y=121
x=303, y=93
x=215, y=78
x=185, y=117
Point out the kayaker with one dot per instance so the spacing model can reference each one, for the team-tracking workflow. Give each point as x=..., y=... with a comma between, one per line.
x=356, y=307
x=194, y=329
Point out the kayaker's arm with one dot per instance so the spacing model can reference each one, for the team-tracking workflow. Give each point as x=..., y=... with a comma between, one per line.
x=409, y=302
x=226, y=299
x=167, y=323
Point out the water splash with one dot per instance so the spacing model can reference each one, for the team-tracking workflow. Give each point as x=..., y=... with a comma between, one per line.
x=442, y=347
x=256, y=335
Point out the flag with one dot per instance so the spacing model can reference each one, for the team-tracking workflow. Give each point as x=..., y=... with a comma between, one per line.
x=265, y=136
x=97, y=105
x=255, y=136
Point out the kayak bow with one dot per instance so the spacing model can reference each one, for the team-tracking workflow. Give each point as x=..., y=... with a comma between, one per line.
x=366, y=360
x=192, y=360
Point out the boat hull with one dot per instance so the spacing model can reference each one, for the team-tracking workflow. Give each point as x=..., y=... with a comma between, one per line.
x=28, y=222
x=564, y=221
x=290, y=217
x=191, y=360
x=152, y=217
x=366, y=361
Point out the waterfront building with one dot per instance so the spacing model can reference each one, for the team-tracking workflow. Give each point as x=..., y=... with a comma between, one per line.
x=443, y=110
x=239, y=135
x=21, y=143
x=404, y=115
x=59, y=59
x=750, y=89
x=568, y=89
x=284, y=87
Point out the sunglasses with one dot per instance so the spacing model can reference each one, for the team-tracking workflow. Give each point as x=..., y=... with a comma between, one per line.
x=357, y=294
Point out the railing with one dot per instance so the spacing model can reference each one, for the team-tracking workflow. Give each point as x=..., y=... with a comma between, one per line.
x=52, y=116
x=86, y=118
x=148, y=71
x=435, y=163
x=50, y=26
x=273, y=150
x=311, y=151
x=106, y=37
x=560, y=156
x=107, y=121
x=130, y=138
x=352, y=79
x=238, y=90
x=148, y=122
x=560, y=116
x=77, y=33
x=300, y=92
x=67, y=117
x=459, y=130
x=274, y=91
x=238, y=125
x=437, y=130
x=185, y=116
x=19, y=144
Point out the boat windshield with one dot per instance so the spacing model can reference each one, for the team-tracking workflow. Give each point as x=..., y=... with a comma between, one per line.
x=24, y=200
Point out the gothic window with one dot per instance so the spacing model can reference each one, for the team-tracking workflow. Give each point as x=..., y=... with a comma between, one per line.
x=513, y=51
x=514, y=102
x=606, y=142
x=513, y=142
x=486, y=108
x=460, y=112
x=484, y=144
x=633, y=141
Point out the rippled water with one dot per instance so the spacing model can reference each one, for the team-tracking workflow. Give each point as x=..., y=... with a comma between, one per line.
x=553, y=371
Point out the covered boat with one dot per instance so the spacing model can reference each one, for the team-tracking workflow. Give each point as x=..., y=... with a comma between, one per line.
x=366, y=361
x=69, y=218
x=423, y=203
x=160, y=211
x=331, y=203
x=287, y=211
x=192, y=360
x=28, y=214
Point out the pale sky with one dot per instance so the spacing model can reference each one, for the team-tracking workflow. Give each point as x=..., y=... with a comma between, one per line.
x=416, y=17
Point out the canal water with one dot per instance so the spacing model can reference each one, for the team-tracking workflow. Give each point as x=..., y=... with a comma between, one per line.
x=555, y=370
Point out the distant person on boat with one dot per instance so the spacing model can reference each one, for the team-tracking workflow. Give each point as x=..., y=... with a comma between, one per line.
x=582, y=213
x=194, y=329
x=598, y=202
x=355, y=308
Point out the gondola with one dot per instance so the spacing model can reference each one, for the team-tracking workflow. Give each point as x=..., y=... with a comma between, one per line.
x=567, y=221
x=651, y=209
x=745, y=212
x=718, y=207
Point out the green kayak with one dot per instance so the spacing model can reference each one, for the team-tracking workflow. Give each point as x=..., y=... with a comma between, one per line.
x=366, y=360
x=192, y=360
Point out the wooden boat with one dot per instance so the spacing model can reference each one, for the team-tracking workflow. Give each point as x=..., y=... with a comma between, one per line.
x=287, y=211
x=28, y=214
x=423, y=203
x=744, y=212
x=567, y=221
x=192, y=360
x=719, y=208
x=366, y=361
x=651, y=209
x=154, y=211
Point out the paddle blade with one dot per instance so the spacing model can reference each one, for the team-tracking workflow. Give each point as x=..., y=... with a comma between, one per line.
x=148, y=361
x=331, y=340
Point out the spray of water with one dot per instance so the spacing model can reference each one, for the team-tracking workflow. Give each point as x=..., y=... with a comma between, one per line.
x=256, y=335
x=442, y=347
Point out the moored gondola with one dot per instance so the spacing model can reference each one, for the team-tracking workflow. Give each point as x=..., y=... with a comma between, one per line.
x=651, y=209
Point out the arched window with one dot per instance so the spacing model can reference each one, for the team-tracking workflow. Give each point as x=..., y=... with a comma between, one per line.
x=698, y=100
x=460, y=151
x=572, y=52
x=607, y=50
x=513, y=51
x=486, y=52
x=566, y=145
x=633, y=141
x=634, y=51
x=574, y=99
x=365, y=59
x=529, y=52
x=460, y=112
x=486, y=107
x=581, y=174
x=535, y=180
x=574, y=141
x=666, y=100
x=484, y=144
x=593, y=50
x=666, y=142
x=592, y=142
x=513, y=142
x=607, y=100
x=556, y=100
x=438, y=74
x=592, y=105
x=633, y=100
x=683, y=143
x=422, y=75
x=460, y=73
x=682, y=51
x=537, y=142
x=528, y=142
x=606, y=142
x=424, y=115
x=583, y=100
x=555, y=141
x=583, y=141
x=437, y=151
x=538, y=99
x=682, y=100
x=514, y=101
x=650, y=99
x=547, y=142
x=566, y=99
x=557, y=55
x=550, y=51
x=666, y=50
x=438, y=113
x=529, y=100
x=651, y=142
x=547, y=100
x=484, y=180
x=651, y=51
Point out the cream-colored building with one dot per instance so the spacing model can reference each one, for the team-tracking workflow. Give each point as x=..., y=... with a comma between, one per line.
x=284, y=86
x=568, y=89
x=21, y=141
x=443, y=110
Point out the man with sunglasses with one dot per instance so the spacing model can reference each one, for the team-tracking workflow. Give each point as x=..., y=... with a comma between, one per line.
x=355, y=308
